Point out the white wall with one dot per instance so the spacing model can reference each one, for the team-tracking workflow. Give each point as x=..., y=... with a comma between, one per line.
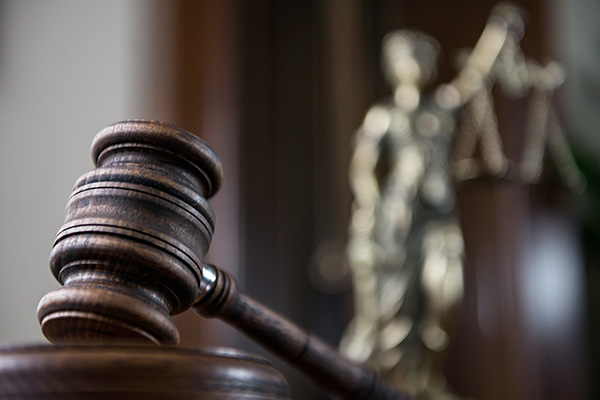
x=67, y=69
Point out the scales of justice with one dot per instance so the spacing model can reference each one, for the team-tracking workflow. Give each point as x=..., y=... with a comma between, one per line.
x=130, y=253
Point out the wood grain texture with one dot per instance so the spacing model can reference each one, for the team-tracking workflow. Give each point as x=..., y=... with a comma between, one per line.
x=136, y=372
x=135, y=233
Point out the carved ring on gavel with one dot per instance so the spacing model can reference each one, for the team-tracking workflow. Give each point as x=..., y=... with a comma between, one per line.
x=130, y=254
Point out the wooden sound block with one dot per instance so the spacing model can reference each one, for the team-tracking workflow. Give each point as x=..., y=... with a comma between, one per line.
x=136, y=372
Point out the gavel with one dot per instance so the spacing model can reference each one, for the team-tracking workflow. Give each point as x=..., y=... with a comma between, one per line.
x=130, y=254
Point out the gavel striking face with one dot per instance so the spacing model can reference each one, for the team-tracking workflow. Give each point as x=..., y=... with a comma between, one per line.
x=136, y=231
x=130, y=254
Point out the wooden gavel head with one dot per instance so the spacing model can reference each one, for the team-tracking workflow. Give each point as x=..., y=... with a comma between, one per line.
x=136, y=230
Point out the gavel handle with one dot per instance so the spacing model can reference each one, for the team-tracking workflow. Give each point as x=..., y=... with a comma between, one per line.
x=316, y=359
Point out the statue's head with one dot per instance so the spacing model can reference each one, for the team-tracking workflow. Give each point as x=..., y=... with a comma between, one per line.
x=410, y=58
